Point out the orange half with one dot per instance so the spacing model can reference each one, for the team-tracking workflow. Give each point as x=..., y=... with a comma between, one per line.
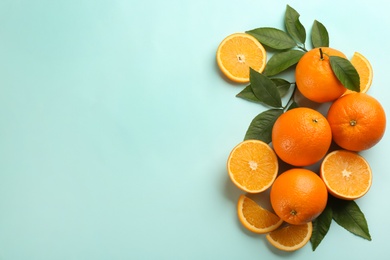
x=252, y=166
x=239, y=52
x=364, y=69
x=347, y=175
x=255, y=218
x=291, y=237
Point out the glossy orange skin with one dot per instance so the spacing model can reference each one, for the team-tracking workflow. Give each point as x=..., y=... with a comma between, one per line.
x=315, y=78
x=298, y=196
x=357, y=120
x=301, y=136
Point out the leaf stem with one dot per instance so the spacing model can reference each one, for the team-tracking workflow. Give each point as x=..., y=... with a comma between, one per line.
x=291, y=99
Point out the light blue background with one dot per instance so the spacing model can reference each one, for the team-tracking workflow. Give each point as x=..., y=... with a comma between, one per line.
x=116, y=125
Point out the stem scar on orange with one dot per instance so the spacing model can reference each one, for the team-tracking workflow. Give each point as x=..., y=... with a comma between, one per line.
x=239, y=52
x=357, y=120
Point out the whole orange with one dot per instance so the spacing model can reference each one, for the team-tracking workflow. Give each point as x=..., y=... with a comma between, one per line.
x=301, y=136
x=357, y=120
x=315, y=78
x=298, y=196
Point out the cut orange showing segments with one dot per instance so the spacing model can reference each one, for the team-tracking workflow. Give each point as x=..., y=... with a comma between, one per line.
x=239, y=52
x=291, y=237
x=364, y=69
x=252, y=166
x=346, y=174
x=256, y=218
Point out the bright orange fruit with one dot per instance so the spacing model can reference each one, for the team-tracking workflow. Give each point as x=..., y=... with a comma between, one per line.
x=255, y=218
x=347, y=175
x=315, y=78
x=252, y=166
x=357, y=120
x=239, y=52
x=298, y=196
x=301, y=136
x=291, y=237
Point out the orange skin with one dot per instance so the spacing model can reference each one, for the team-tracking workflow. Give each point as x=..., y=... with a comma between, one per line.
x=315, y=78
x=301, y=136
x=298, y=196
x=357, y=120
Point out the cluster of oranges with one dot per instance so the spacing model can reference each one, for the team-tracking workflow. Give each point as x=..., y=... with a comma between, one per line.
x=302, y=137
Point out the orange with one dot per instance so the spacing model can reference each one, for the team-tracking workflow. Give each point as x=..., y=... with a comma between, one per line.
x=315, y=78
x=252, y=166
x=364, y=69
x=291, y=237
x=347, y=175
x=298, y=196
x=357, y=120
x=301, y=136
x=239, y=52
x=255, y=218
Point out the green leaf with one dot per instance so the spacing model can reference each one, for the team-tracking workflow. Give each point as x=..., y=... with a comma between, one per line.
x=248, y=94
x=282, y=61
x=261, y=126
x=319, y=35
x=345, y=72
x=282, y=85
x=294, y=26
x=272, y=37
x=347, y=214
x=264, y=89
x=321, y=227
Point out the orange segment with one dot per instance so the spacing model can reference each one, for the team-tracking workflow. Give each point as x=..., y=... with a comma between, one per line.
x=347, y=175
x=291, y=237
x=252, y=166
x=239, y=52
x=364, y=69
x=255, y=218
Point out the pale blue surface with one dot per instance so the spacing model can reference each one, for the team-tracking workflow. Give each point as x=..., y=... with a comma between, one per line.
x=116, y=125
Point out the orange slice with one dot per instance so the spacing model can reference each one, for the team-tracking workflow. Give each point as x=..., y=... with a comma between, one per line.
x=252, y=166
x=291, y=237
x=364, y=69
x=347, y=175
x=255, y=218
x=239, y=52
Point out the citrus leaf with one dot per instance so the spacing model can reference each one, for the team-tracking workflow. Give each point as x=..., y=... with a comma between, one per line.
x=248, y=94
x=282, y=85
x=264, y=89
x=294, y=27
x=348, y=215
x=272, y=37
x=321, y=227
x=345, y=72
x=261, y=126
x=282, y=61
x=319, y=35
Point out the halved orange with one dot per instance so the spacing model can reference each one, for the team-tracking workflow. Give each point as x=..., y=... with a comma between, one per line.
x=256, y=218
x=364, y=69
x=290, y=237
x=237, y=53
x=346, y=174
x=252, y=166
